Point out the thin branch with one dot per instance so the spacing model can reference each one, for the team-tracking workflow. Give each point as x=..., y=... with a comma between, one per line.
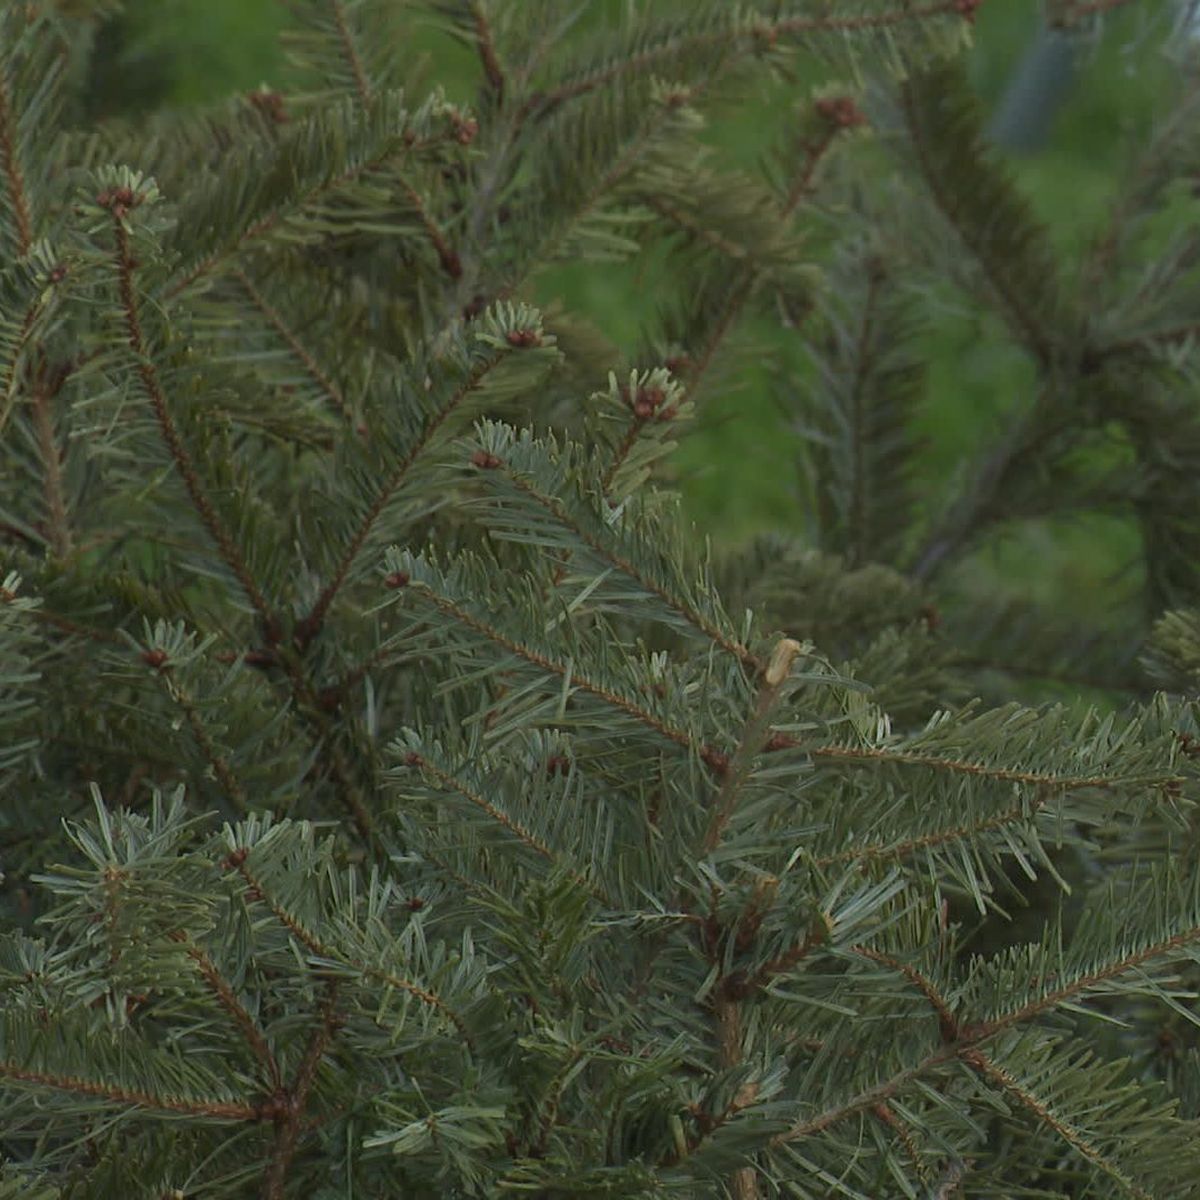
x=268, y=222
x=117, y=201
x=313, y=621
x=558, y=511
x=487, y=52
x=10, y=386
x=365, y=94
x=447, y=255
x=1074, y=1137
x=292, y=1102
x=754, y=736
x=237, y=1011
x=10, y=167
x=957, y=833
x=715, y=759
x=257, y=891
x=215, y=759
x=764, y=31
x=332, y=392
x=46, y=386
x=501, y=818
x=948, y=1024
x=131, y=1096
x=950, y=206
x=962, y=767
x=841, y=115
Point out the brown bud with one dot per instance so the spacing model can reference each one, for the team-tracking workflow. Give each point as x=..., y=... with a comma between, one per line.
x=270, y=104
x=523, y=338
x=413, y=759
x=235, y=858
x=397, y=579
x=155, y=658
x=58, y=274
x=484, y=460
x=841, y=112
x=465, y=129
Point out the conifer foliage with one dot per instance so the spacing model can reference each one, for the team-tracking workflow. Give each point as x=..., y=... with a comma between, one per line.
x=397, y=798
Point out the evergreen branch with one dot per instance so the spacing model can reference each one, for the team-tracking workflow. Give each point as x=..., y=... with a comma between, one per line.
x=365, y=95
x=10, y=388
x=865, y=1100
x=754, y=736
x=617, y=561
x=624, y=447
x=290, y=1107
x=713, y=758
x=10, y=168
x=58, y=621
x=315, y=617
x=256, y=890
x=744, y=37
x=838, y=115
x=220, y=1109
x=452, y=783
x=987, y=480
x=987, y=213
x=275, y=319
x=672, y=212
x=447, y=255
x=314, y=710
x=727, y=1013
x=1076, y=1138
x=791, y=958
x=289, y=204
x=118, y=201
x=948, y=1024
x=1151, y=338
x=734, y=298
x=1085, y=982
x=862, y=366
x=981, y=770
x=661, y=117
x=873, y=851
x=228, y=999
x=47, y=385
x=488, y=57
x=889, y=1117
x=215, y=759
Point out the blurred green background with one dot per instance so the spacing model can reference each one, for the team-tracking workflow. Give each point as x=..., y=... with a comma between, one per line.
x=735, y=470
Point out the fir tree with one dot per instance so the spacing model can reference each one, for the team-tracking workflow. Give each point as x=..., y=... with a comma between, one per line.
x=401, y=801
